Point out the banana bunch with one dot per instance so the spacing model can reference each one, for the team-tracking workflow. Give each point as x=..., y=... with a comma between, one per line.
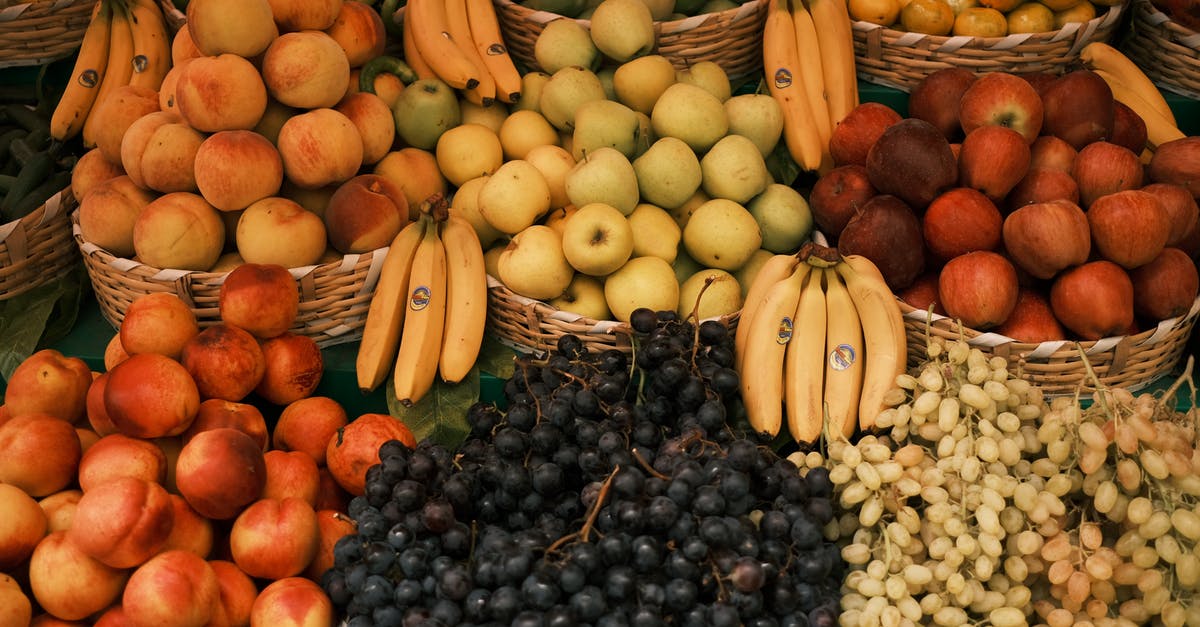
x=808, y=58
x=428, y=312
x=459, y=42
x=126, y=43
x=1132, y=87
x=820, y=341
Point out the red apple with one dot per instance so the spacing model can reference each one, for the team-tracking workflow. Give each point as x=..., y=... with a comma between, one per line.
x=922, y=293
x=1129, y=129
x=961, y=220
x=1048, y=151
x=1046, y=237
x=1129, y=228
x=1032, y=320
x=935, y=99
x=992, y=160
x=913, y=161
x=1103, y=168
x=1093, y=300
x=1166, y=287
x=1177, y=161
x=1190, y=243
x=853, y=136
x=837, y=195
x=1078, y=108
x=1039, y=80
x=887, y=232
x=1180, y=206
x=1042, y=185
x=1002, y=99
x=978, y=288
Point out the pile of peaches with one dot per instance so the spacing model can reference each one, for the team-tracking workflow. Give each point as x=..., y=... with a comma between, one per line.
x=157, y=492
x=1023, y=205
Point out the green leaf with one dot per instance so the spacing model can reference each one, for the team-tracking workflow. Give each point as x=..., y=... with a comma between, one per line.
x=24, y=319
x=781, y=165
x=495, y=358
x=441, y=415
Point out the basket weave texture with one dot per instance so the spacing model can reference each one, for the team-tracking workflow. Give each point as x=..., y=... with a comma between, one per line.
x=1131, y=361
x=41, y=31
x=1168, y=52
x=899, y=59
x=730, y=38
x=37, y=248
x=334, y=297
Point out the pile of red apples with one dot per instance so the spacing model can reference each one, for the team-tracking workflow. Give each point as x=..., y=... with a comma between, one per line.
x=1025, y=205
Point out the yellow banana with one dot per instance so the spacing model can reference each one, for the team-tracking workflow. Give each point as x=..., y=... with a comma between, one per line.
x=151, y=44
x=118, y=68
x=885, y=345
x=1160, y=129
x=771, y=331
x=385, y=316
x=421, y=336
x=80, y=94
x=775, y=269
x=785, y=80
x=836, y=40
x=485, y=32
x=466, y=299
x=814, y=76
x=431, y=34
x=1101, y=57
x=803, y=369
x=412, y=56
x=843, y=357
x=459, y=26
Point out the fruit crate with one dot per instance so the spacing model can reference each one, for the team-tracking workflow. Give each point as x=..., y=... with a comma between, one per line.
x=41, y=31
x=1166, y=50
x=38, y=248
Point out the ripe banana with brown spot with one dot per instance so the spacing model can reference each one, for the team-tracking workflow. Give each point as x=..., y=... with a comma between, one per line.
x=80, y=93
x=118, y=68
x=775, y=269
x=803, y=370
x=431, y=35
x=151, y=44
x=466, y=299
x=785, y=82
x=385, y=316
x=771, y=331
x=459, y=26
x=843, y=357
x=885, y=344
x=485, y=32
x=421, y=335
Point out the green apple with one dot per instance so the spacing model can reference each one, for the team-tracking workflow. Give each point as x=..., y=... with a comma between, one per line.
x=638, y=83
x=683, y=212
x=623, y=29
x=690, y=113
x=655, y=232
x=758, y=117
x=783, y=216
x=604, y=175
x=708, y=75
x=532, y=84
x=709, y=293
x=424, y=110
x=646, y=135
x=660, y=9
x=734, y=169
x=722, y=234
x=597, y=239
x=584, y=296
x=684, y=266
x=668, y=173
x=465, y=204
x=565, y=91
x=641, y=282
x=563, y=43
x=514, y=196
x=491, y=115
x=600, y=123
x=569, y=8
x=533, y=264
x=745, y=274
x=555, y=163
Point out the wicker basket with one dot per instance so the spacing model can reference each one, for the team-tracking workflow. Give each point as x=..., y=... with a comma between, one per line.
x=1167, y=52
x=1131, y=361
x=37, y=248
x=41, y=31
x=731, y=38
x=334, y=297
x=899, y=59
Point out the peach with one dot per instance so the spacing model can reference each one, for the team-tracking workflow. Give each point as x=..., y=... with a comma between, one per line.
x=114, y=352
x=109, y=210
x=90, y=170
x=220, y=93
x=190, y=531
x=114, y=616
x=225, y=361
x=158, y=152
x=291, y=474
x=294, y=368
x=244, y=417
x=416, y=172
x=151, y=396
x=118, y=455
x=110, y=118
x=97, y=415
x=279, y=231
x=170, y=82
x=387, y=86
x=46, y=619
x=332, y=525
x=330, y=494
x=374, y=120
x=49, y=382
x=239, y=27
x=183, y=47
x=123, y=522
x=41, y=453
x=170, y=446
x=158, y=322
x=15, y=607
x=273, y=118
x=263, y=299
x=365, y=213
x=23, y=525
x=306, y=425
x=275, y=538
x=305, y=69
x=359, y=32
x=179, y=230
x=70, y=584
x=87, y=438
x=355, y=448
x=220, y=472
x=294, y=15
x=236, y=168
x=177, y=588
x=238, y=592
x=60, y=509
x=320, y=147
x=292, y=602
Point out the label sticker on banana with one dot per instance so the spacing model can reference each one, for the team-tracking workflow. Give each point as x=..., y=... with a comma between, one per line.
x=783, y=334
x=842, y=357
x=420, y=298
x=783, y=78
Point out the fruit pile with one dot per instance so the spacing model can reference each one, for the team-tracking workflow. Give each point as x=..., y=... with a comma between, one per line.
x=978, y=18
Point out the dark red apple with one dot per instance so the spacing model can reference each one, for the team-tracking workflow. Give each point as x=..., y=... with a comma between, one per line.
x=1103, y=168
x=1166, y=287
x=853, y=136
x=935, y=99
x=1078, y=107
x=1002, y=99
x=913, y=161
x=923, y=293
x=1041, y=185
x=1048, y=151
x=1190, y=243
x=1129, y=227
x=1177, y=161
x=1032, y=320
x=960, y=220
x=837, y=196
x=886, y=231
x=1046, y=237
x=978, y=288
x=1129, y=129
x=1039, y=80
x=1093, y=300
x=1180, y=206
x=992, y=160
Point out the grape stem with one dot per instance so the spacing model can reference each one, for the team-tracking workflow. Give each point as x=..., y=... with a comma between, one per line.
x=641, y=460
x=593, y=513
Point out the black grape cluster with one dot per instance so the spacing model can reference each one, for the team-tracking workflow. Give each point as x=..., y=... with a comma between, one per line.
x=609, y=491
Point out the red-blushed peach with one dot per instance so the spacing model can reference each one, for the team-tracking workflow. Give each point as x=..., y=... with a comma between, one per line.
x=179, y=230
x=240, y=27
x=60, y=508
x=319, y=147
x=220, y=93
x=375, y=123
x=365, y=213
x=166, y=90
x=294, y=15
x=15, y=607
x=294, y=368
x=273, y=118
x=291, y=474
x=305, y=69
x=225, y=361
x=275, y=538
x=118, y=455
x=276, y=230
x=332, y=525
x=114, y=352
x=263, y=299
x=292, y=602
x=330, y=493
x=41, y=453
x=70, y=584
x=150, y=396
x=355, y=448
x=90, y=170
x=114, y=616
x=360, y=33
x=244, y=417
x=220, y=472
x=235, y=168
x=306, y=425
x=158, y=152
x=177, y=588
x=87, y=438
x=122, y=522
x=22, y=526
x=45, y=619
x=108, y=212
x=158, y=322
x=48, y=382
x=190, y=531
x=238, y=592
x=416, y=172
x=110, y=118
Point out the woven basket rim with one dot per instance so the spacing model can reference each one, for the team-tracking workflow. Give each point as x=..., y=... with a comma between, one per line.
x=37, y=32
x=744, y=10
x=42, y=242
x=1156, y=17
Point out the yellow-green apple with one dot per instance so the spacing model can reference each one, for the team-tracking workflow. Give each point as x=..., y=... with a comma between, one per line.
x=639, y=82
x=563, y=43
x=783, y=216
x=1129, y=227
x=236, y=168
x=1078, y=107
x=565, y=90
x=555, y=163
x=641, y=282
x=179, y=230
x=758, y=117
x=214, y=30
x=960, y=220
x=557, y=218
x=514, y=197
x=734, y=169
x=49, y=382
x=1032, y=320
x=523, y=130
x=912, y=160
x=709, y=293
x=684, y=266
x=623, y=29
x=491, y=115
x=668, y=173
x=1180, y=206
x=416, y=171
x=1004, y=99
x=532, y=83
x=605, y=123
x=279, y=231
x=722, y=234
x=172, y=588
x=24, y=525
x=852, y=138
x=425, y=110
x=1042, y=185
x=935, y=99
x=979, y=288
x=836, y=197
x=597, y=239
x=690, y=113
x=604, y=175
x=888, y=232
x=41, y=453
x=365, y=213
x=1166, y=286
x=708, y=75
x=465, y=204
x=584, y=296
x=151, y=395
x=70, y=584
x=468, y=151
x=1129, y=129
x=745, y=274
x=992, y=159
x=1177, y=161
x=122, y=522
x=220, y=472
x=533, y=263
x=263, y=299
x=292, y=602
x=655, y=232
x=1093, y=300
x=274, y=538
x=225, y=361
x=1048, y=151
x=118, y=455
x=683, y=212
x=1045, y=238
x=1102, y=168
